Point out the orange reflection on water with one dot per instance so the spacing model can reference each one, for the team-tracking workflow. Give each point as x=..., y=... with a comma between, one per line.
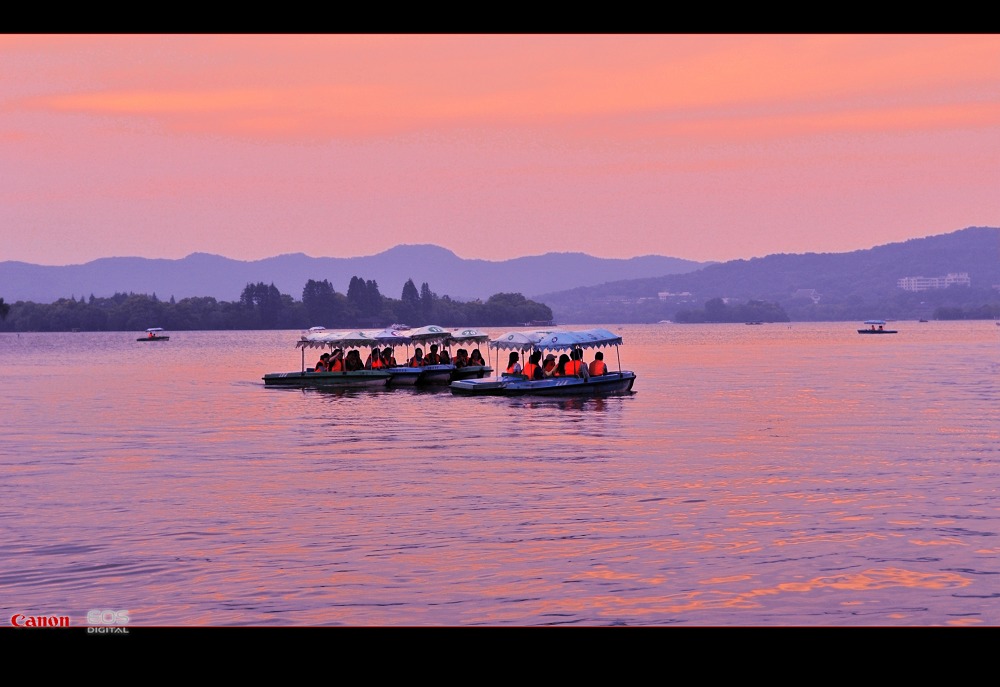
x=881, y=579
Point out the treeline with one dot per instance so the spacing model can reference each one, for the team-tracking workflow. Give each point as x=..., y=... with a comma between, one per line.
x=263, y=306
x=717, y=310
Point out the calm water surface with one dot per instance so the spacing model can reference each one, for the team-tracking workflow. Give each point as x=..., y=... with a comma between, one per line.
x=768, y=475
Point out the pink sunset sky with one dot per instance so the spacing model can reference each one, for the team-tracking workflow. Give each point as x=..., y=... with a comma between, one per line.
x=705, y=147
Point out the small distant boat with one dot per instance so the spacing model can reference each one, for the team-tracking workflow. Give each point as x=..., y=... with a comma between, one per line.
x=154, y=334
x=876, y=327
x=754, y=323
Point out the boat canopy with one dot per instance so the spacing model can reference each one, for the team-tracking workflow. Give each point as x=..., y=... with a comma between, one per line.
x=429, y=334
x=354, y=339
x=874, y=321
x=556, y=340
x=390, y=337
x=459, y=336
x=516, y=341
x=155, y=329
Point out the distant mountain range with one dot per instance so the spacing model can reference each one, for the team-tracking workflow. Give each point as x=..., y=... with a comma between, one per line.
x=810, y=286
x=202, y=274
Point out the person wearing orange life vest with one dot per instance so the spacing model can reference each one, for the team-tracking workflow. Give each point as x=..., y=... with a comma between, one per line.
x=388, y=359
x=336, y=361
x=418, y=358
x=513, y=366
x=322, y=364
x=597, y=367
x=576, y=367
x=374, y=360
x=549, y=366
x=476, y=358
x=433, y=357
x=533, y=370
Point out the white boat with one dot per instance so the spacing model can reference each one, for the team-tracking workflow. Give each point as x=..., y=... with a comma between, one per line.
x=876, y=327
x=427, y=336
x=399, y=375
x=460, y=338
x=154, y=334
x=321, y=338
x=612, y=383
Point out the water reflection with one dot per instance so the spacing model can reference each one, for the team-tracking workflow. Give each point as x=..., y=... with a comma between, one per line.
x=758, y=475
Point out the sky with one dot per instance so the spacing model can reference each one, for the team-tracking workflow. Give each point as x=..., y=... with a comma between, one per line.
x=495, y=146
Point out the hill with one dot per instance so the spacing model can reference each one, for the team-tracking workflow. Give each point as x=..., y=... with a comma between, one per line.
x=811, y=286
x=201, y=274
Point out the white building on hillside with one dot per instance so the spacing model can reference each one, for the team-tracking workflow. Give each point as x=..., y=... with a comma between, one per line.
x=928, y=283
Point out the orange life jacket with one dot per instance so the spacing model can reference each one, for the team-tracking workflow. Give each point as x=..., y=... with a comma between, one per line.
x=337, y=366
x=598, y=368
x=417, y=363
x=512, y=370
x=432, y=359
x=320, y=366
x=530, y=370
x=377, y=363
x=573, y=368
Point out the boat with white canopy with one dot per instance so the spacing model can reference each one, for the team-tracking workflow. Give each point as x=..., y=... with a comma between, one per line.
x=876, y=327
x=613, y=382
x=423, y=338
x=346, y=342
x=399, y=375
x=154, y=334
x=459, y=339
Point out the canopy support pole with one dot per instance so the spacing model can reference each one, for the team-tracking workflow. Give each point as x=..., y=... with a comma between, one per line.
x=619, y=356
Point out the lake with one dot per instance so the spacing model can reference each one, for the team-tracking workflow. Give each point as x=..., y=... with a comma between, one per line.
x=773, y=475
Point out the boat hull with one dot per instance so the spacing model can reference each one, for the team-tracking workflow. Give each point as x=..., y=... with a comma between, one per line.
x=877, y=331
x=153, y=338
x=436, y=374
x=471, y=372
x=613, y=383
x=404, y=376
x=359, y=378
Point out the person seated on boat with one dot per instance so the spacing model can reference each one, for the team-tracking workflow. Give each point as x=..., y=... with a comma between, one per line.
x=388, y=359
x=445, y=357
x=597, y=366
x=353, y=361
x=323, y=364
x=880, y=327
x=374, y=361
x=576, y=367
x=533, y=368
x=476, y=358
x=549, y=366
x=335, y=362
x=418, y=358
x=461, y=358
x=433, y=357
x=561, y=366
x=513, y=364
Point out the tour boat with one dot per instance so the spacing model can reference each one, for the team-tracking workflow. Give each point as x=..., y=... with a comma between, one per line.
x=399, y=375
x=614, y=382
x=424, y=337
x=461, y=338
x=318, y=337
x=876, y=327
x=154, y=334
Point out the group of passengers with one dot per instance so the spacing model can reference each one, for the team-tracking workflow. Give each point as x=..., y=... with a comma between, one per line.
x=571, y=365
x=336, y=361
